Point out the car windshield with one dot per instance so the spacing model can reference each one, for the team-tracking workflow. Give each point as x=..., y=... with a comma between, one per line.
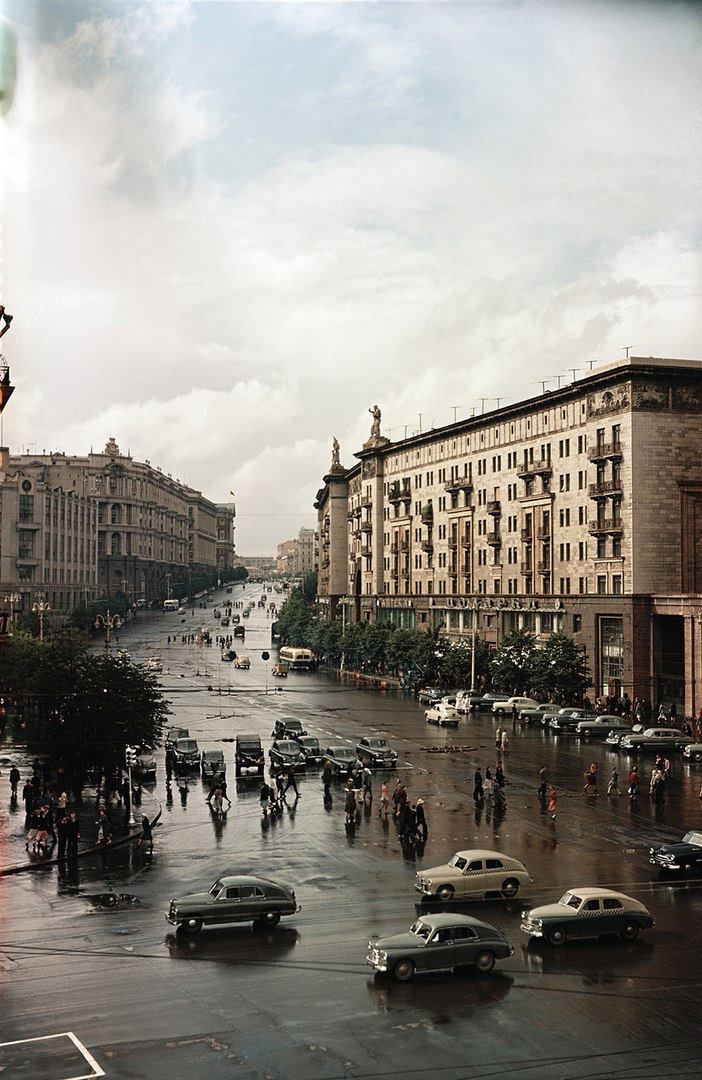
x=288, y=747
x=377, y=744
x=570, y=900
x=459, y=862
x=420, y=930
x=693, y=838
x=216, y=888
x=309, y=741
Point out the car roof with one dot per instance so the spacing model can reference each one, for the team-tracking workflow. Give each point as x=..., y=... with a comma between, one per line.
x=591, y=894
x=212, y=752
x=248, y=879
x=445, y=918
x=483, y=853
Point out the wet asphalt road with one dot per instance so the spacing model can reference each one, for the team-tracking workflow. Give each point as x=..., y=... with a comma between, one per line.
x=299, y=1001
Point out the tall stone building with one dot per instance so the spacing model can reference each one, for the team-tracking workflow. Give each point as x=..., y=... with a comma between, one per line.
x=577, y=511
x=297, y=556
x=78, y=528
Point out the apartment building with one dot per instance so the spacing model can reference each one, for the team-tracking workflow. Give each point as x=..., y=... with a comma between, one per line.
x=80, y=527
x=297, y=556
x=577, y=511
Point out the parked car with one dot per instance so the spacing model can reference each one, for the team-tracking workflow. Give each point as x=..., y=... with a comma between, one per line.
x=693, y=751
x=488, y=700
x=242, y=662
x=587, y=913
x=568, y=721
x=288, y=728
x=686, y=855
x=173, y=734
x=540, y=715
x=468, y=700
x=248, y=755
x=341, y=758
x=439, y=942
x=187, y=752
x=233, y=899
x=286, y=752
x=309, y=744
x=501, y=706
x=429, y=695
x=154, y=663
x=442, y=714
x=655, y=738
x=603, y=725
x=239, y=631
x=280, y=671
x=212, y=763
x=375, y=752
x=481, y=873
x=145, y=763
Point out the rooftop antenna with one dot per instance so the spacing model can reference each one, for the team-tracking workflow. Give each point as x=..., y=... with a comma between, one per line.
x=543, y=384
x=482, y=404
x=498, y=400
x=406, y=426
x=455, y=410
x=559, y=377
x=590, y=362
x=573, y=370
x=626, y=349
x=420, y=422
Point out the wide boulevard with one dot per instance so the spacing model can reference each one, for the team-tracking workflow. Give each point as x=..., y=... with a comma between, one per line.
x=96, y=982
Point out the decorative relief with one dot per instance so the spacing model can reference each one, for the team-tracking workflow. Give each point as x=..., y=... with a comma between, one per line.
x=650, y=395
x=368, y=468
x=687, y=398
x=608, y=402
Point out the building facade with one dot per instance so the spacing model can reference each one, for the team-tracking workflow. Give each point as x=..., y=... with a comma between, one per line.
x=297, y=557
x=80, y=528
x=578, y=511
x=226, y=547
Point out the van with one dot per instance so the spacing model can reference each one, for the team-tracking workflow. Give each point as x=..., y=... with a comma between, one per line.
x=171, y=605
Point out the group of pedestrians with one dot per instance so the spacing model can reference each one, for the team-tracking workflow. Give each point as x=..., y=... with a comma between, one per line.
x=409, y=816
x=272, y=794
x=490, y=790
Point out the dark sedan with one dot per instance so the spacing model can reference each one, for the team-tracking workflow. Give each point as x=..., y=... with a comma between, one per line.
x=376, y=752
x=685, y=856
x=341, y=758
x=285, y=753
x=437, y=943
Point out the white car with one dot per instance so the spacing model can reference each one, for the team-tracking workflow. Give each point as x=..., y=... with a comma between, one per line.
x=154, y=663
x=517, y=703
x=482, y=873
x=693, y=751
x=442, y=714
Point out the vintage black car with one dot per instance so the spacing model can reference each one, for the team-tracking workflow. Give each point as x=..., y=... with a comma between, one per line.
x=287, y=728
x=341, y=758
x=212, y=763
x=685, y=856
x=233, y=899
x=439, y=942
x=376, y=752
x=174, y=734
x=248, y=755
x=587, y=913
x=309, y=744
x=187, y=753
x=286, y=752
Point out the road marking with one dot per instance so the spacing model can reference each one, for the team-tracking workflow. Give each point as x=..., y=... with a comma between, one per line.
x=89, y=1059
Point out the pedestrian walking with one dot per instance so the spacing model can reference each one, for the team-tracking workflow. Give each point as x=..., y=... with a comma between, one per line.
x=634, y=784
x=489, y=789
x=421, y=821
x=552, y=801
x=613, y=785
x=384, y=800
x=400, y=801
x=478, y=793
x=499, y=775
x=62, y=833
x=350, y=805
x=504, y=741
x=543, y=782
x=590, y=789
x=498, y=738
x=72, y=834
x=264, y=797
x=14, y=780
x=291, y=782
x=327, y=777
x=147, y=837
x=104, y=830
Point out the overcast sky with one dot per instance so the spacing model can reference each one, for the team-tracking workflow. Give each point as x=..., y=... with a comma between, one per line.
x=228, y=229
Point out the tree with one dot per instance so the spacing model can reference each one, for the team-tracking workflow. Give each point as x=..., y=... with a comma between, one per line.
x=512, y=666
x=560, y=669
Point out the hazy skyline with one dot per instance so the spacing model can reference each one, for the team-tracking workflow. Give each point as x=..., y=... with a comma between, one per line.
x=230, y=228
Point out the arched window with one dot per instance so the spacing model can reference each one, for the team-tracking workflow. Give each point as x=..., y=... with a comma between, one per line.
x=116, y=545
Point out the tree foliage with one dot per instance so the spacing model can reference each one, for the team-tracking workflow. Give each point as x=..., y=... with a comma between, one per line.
x=560, y=669
x=512, y=665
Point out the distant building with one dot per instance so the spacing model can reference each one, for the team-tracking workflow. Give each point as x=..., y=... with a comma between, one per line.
x=297, y=557
x=78, y=528
x=577, y=511
x=226, y=547
x=257, y=565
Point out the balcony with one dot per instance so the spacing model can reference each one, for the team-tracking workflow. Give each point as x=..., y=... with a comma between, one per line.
x=398, y=494
x=611, y=451
x=526, y=568
x=494, y=539
x=542, y=467
x=543, y=533
x=453, y=543
x=366, y=550
x=427, y=546
x=367, y=503
x=606, y=526
x=494, y=508
x=463, y=483
x=394, y=547
x=603, y=488
x=394, y=573
x=465, y=541
x=427, y=514
x=527, y=536
x=543, y=567
x=366, y=526
x=404, y=545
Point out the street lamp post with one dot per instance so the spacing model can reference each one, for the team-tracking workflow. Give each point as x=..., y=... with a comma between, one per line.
x=109, y=623
x=40, y=607
x=12, y=599
x=130, y=755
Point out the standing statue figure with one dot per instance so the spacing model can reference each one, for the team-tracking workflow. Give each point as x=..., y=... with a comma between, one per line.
x=375, y=426
x=335, y=451
x=6, y=318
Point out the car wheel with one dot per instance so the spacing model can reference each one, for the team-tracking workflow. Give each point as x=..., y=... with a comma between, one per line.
x=556, y=935
x=191, y=926
x=403, y=970
x=270, y=918
x=445, y=892
x=586, y=731
x=510, y=887
x=630, y=931
x=485, y=961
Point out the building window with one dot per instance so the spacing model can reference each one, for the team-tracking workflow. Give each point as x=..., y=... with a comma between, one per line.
x=611, y=655
x=577, y=623
x=617, y=584
x=601, y=583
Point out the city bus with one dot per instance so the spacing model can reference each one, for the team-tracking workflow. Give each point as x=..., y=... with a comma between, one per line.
x=171, y=605
x=297, y=659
